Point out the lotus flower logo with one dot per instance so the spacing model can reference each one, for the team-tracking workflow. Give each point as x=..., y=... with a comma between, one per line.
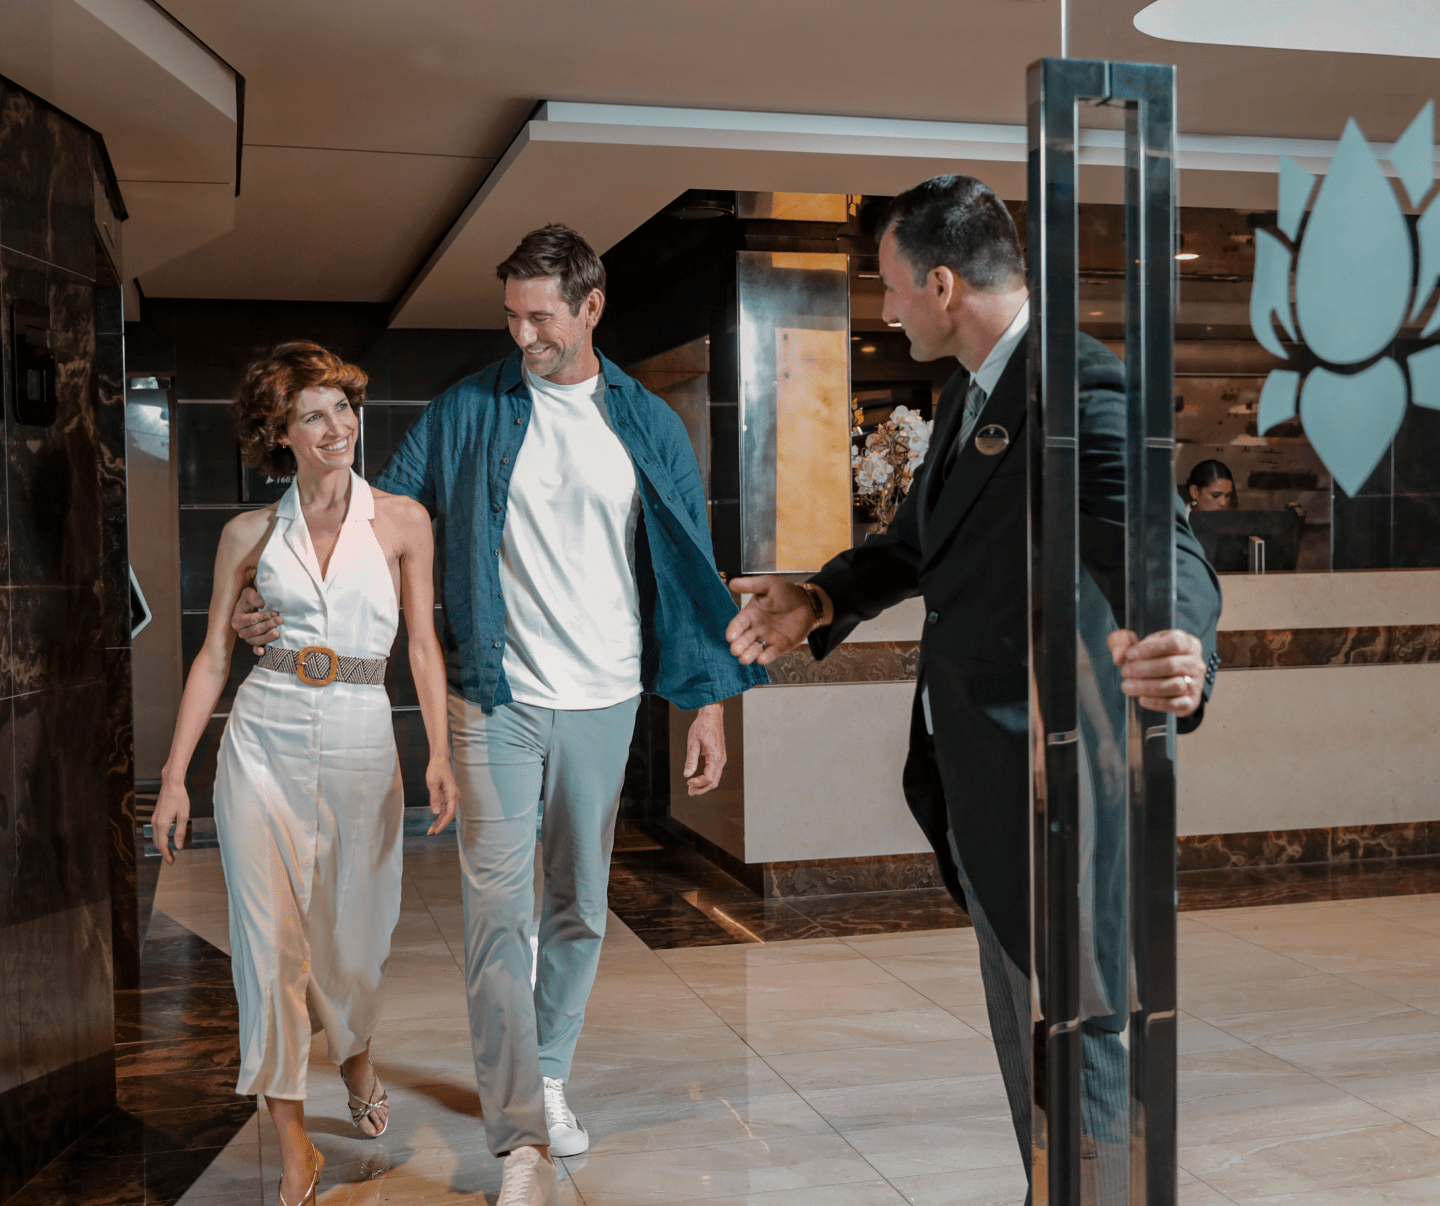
x=1358, y=279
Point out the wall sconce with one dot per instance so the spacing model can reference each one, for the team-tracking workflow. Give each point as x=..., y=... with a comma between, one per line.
x=36, y=403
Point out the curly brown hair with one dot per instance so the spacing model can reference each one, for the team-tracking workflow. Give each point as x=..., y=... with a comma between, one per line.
x=264, y=404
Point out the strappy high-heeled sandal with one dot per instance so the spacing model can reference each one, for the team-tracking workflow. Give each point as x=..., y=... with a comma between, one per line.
x=358, y=1113
x=309, y=1198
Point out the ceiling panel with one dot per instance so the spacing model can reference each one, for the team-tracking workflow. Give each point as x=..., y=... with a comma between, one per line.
x=316, y=225
x=459, y=76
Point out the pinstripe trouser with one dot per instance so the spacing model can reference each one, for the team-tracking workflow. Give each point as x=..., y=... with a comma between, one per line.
x=1105, y=1079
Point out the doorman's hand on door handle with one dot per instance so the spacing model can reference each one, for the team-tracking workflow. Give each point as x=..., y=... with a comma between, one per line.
x=1165, y=671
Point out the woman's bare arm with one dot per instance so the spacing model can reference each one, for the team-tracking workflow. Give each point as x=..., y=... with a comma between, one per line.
x=240, y=544
x=427, y=660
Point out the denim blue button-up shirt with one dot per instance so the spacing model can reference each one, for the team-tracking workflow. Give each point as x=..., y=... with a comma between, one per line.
x=457, y=460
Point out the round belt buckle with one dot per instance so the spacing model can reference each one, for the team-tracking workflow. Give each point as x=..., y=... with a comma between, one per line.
x=304, y=677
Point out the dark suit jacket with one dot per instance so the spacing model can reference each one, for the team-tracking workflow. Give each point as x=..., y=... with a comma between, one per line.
x=962, y=544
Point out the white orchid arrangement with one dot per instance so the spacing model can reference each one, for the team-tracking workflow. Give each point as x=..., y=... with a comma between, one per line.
x=886, y=466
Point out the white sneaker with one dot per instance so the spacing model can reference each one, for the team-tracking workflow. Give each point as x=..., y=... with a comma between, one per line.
x=529, y=1180
x=567, y=1137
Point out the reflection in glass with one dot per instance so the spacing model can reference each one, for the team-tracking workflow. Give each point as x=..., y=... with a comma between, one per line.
x=794, y=311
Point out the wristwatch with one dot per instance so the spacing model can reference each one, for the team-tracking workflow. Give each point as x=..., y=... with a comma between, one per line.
x=817, y=604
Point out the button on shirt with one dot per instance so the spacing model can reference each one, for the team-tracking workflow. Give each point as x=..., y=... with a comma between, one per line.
x=572, y=616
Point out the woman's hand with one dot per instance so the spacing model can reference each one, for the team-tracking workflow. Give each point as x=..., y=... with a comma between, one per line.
x=172, y=808
x=444, y=793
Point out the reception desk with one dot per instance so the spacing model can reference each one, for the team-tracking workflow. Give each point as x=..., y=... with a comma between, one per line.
x=1320, y=742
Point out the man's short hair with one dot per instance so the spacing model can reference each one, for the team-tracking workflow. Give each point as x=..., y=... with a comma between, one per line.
x=956, y=222
x=557, y=251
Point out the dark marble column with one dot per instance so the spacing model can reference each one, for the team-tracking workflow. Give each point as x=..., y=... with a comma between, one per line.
x=58, y=734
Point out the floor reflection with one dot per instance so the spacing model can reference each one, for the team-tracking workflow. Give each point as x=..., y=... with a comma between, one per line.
x=818, y=1051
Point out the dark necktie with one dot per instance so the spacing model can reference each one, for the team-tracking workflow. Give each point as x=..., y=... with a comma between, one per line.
x=975, y=399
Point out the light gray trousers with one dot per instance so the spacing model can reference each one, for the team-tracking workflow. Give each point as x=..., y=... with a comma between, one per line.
x=1105, y=1085
x=506, y=764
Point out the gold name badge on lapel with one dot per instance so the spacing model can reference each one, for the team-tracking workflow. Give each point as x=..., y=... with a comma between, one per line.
x=992, y=440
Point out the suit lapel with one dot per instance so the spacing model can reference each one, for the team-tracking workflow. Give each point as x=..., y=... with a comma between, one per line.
x=949, y=413
x=953, y=499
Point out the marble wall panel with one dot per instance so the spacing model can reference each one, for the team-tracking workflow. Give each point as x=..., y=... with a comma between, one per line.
x=108, y=402
x=47, y=205
x=59, y=803
x=120, y=808
x=70, y=948
x=844, y=876
x=1280, y=847
x=9, y=980
x=64, y=653
x=41, y=1118
x=852, y=662
x=1376, y=645
x=7, y=660
x=56, y=636
x=54, y=482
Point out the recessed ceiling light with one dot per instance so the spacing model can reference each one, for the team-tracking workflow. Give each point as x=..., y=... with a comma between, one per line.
x=1096, y=313
x=892, y=324
x=867, y=347
x=1187, y=255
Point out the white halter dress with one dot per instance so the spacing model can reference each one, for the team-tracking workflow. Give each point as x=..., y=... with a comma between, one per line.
x=308, y=810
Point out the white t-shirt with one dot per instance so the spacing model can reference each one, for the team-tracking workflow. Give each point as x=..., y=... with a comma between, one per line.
x=567, y=557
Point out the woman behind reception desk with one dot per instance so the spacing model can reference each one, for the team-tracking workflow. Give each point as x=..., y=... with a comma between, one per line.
x=1235, y=540
x=1210, y=487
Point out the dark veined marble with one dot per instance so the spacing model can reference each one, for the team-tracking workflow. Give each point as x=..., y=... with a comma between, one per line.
x=120, y=831
x=66, y=806
x=840, y=876
x=1401, y=644
x=671, y=896
x=1239, y=887
x=882, y=912
x=857, y=662
x=47, y=202
x=173, y=1071
x=1342, y=844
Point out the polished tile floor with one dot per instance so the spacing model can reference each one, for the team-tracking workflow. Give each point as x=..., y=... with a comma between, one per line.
x=833, y=1069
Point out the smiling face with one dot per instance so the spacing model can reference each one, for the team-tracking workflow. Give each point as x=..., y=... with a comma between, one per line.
x=1219, y=495
x=919, y=309
x=323, y=430
x=555, y=342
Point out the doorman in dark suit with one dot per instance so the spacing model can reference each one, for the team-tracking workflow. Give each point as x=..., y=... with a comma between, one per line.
x=955, y=280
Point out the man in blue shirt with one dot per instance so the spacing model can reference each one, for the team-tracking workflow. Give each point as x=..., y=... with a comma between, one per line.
x=578, y=572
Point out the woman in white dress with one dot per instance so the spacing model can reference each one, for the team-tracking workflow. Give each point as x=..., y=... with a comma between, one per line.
x=308, y=801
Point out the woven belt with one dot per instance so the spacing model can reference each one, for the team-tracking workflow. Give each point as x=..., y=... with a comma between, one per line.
x=319, y=666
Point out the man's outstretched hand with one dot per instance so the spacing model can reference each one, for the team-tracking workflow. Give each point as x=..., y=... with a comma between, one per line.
x=776, y=620
x=1165, y=671
x=255, y=626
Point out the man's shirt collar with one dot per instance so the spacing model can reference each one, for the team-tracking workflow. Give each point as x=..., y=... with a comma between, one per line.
x=988, y=374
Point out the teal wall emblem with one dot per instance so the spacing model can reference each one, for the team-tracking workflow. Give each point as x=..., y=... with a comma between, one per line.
x=1358, y=278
